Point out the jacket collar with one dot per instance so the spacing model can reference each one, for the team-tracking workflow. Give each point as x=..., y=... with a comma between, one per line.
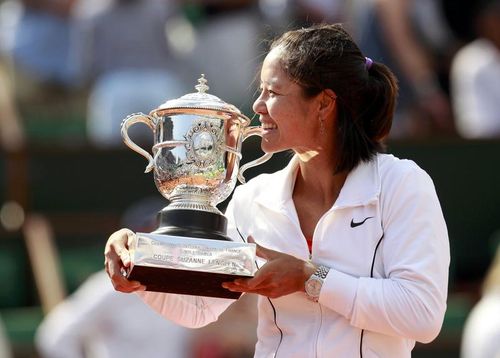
x=361, y=187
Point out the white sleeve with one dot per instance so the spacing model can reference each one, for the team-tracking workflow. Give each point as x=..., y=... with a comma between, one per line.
x=411, y=300
x=185, y=310
x=62, y=332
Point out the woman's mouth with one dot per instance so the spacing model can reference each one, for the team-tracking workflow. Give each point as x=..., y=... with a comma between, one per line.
x=268, y=126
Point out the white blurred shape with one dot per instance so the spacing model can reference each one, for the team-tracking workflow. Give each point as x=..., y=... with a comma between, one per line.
x=11, y=216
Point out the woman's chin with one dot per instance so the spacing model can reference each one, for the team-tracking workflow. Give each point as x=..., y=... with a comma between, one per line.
x=271, y=148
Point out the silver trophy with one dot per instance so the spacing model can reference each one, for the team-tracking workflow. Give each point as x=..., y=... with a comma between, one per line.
x=195, y=160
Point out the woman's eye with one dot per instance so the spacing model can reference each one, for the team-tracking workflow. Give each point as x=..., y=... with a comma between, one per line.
x=268, y=92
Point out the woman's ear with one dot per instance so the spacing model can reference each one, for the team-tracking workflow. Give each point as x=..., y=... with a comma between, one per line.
x=328, y=100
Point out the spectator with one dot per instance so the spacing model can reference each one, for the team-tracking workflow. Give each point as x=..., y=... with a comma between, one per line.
x=36, y=45
x=98, y=322
x=390, y=31
x=125, y=59
x=11, y=129
x=475, y=77
x=226, y=48
x=41, y=41
x=5, y=349
x=481, y=335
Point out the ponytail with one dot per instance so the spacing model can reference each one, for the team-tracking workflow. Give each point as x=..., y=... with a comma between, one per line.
x=379, y=102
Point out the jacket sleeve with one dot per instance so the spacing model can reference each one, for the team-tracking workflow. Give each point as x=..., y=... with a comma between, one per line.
x=185, y=310
x=410, y=301
x=191, y=311
x=66, y=329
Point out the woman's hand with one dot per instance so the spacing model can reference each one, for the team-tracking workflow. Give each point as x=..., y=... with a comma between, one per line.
x=117, y=260
x=281, y=275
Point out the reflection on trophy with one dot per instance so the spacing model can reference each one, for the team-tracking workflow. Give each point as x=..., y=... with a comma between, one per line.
x=195, y=160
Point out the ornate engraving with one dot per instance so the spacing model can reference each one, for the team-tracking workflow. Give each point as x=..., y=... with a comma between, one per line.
x=203, y=143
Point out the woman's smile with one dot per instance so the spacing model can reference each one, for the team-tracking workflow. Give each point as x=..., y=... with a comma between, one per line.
x=269, y=126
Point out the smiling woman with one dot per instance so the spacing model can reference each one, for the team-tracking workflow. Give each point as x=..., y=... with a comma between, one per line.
x=353, y=245
x=288, y=118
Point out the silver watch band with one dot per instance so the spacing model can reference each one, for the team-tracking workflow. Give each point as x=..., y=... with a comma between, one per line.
x=321, y=272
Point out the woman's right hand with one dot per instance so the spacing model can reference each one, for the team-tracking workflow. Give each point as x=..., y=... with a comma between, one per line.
x=117, y=261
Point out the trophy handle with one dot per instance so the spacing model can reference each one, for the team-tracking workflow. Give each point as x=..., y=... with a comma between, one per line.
x=131, y=120
x=250, y=132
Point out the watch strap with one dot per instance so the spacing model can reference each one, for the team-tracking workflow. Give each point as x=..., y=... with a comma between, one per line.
x=321, y=272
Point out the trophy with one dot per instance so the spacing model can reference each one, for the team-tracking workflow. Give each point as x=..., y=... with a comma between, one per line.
x=195, y=160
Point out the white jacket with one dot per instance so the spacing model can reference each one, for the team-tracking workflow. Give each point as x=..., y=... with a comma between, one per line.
x=387, y=285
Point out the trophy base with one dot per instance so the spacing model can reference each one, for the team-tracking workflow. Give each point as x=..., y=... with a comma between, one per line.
x=194, y=283
x=188, y=265
x=192, y=223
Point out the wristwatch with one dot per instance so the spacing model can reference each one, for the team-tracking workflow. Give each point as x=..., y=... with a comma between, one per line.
x=315, y=282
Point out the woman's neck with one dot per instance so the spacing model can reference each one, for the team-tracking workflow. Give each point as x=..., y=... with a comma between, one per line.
x=316, y=179
x=316, y=190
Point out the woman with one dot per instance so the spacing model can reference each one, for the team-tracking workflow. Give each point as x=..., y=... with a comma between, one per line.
x=355, y=241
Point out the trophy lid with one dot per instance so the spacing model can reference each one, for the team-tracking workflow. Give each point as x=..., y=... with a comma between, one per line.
x=201, y=102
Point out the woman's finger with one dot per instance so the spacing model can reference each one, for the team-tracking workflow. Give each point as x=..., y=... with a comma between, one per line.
x=117, y=260
x=263, y=252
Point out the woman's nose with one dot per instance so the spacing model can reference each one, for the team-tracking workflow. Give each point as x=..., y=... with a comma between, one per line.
x=259, y=106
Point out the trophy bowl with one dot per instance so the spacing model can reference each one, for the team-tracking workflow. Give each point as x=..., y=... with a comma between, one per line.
x=195, y=160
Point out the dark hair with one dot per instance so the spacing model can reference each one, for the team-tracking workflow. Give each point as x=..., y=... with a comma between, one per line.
x=325, y=57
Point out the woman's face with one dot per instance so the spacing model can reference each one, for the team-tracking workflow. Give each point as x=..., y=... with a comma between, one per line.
x=289, y=119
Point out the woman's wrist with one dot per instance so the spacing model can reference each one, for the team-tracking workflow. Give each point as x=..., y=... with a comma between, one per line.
x=309, y=269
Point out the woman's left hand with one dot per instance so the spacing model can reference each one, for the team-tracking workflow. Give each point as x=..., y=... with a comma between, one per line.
x=281, y=275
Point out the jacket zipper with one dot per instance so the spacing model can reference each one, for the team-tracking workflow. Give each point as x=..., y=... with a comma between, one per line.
x=318, y=331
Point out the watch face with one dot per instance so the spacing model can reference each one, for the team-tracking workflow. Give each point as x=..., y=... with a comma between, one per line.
x=313, y=287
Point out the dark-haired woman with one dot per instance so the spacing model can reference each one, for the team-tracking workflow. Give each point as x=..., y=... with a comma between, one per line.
x=355, y=242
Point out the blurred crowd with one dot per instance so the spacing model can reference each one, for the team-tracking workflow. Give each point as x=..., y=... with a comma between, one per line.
x=89, y=63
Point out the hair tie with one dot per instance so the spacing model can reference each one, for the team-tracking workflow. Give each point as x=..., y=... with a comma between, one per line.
x=368, y=63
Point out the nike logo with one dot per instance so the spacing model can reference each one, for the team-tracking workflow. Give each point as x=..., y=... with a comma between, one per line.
x=353, y=224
